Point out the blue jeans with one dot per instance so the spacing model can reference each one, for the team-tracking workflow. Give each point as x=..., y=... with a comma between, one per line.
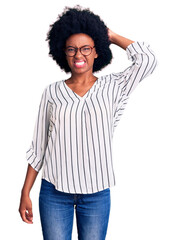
x=57, y=210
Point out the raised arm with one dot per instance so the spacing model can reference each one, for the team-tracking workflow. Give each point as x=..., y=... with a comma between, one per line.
x=143, y=58
x=143, y=64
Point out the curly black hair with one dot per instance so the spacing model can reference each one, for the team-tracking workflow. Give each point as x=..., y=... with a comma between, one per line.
x=78, y=20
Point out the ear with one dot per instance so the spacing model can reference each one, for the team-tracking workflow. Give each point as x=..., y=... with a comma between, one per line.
x=96, y=55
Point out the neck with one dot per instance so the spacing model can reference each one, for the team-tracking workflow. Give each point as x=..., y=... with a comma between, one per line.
x=82, y=78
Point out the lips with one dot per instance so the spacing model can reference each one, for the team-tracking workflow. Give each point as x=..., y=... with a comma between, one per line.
x=80, y=63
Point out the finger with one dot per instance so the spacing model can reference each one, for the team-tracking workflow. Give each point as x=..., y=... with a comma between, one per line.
x=28, y=217
x=30, y=214
x=23, y=216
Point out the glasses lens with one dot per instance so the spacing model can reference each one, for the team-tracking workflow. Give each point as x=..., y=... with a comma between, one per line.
x=86, y=50
x=70, y=51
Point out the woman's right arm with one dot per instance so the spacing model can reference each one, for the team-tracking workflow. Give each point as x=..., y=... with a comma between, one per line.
x=35, y=154
x=25, y=207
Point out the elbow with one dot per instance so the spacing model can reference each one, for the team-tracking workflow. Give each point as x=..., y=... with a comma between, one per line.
x=148, y=65
x=34, y=160
x=152, y=62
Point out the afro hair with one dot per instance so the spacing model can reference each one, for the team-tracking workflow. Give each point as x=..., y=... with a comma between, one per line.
x=78, y=20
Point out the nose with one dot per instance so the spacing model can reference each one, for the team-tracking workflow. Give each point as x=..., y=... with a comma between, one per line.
x=78, y=53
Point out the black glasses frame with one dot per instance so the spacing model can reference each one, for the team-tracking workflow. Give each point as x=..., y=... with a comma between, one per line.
x=76, y=49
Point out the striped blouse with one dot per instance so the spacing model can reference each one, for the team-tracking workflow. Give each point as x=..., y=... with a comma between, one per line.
x=72, y=138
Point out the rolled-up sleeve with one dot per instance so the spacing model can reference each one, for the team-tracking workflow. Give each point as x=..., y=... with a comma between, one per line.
x=36, y=152
x=143, y=64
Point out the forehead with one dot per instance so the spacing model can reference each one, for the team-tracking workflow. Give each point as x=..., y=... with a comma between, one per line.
x=79, y=39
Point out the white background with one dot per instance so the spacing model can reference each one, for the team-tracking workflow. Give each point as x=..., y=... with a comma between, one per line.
x=144, y=200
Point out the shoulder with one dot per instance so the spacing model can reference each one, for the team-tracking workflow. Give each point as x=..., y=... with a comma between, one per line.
x=113, y=81
x=114, y=78
x=110, y=77
x=53, y=85
x=50, y=90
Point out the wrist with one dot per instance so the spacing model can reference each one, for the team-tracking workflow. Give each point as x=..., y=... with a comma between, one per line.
x=113, y=37
x=25, y=192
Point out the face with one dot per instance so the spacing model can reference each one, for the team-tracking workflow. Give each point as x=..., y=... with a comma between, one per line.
x=86, y=62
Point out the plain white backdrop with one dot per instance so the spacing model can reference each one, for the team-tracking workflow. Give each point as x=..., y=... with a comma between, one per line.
x=143, y=202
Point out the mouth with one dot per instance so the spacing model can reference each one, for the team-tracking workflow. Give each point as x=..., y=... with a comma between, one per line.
x=79, y=64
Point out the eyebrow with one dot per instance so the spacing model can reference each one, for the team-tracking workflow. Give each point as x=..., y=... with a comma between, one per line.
x=81, y=46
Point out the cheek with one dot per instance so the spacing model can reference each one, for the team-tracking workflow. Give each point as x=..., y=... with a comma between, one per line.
x=68, y=61
x=91, y=60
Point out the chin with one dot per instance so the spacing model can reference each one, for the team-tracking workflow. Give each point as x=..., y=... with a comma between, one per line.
x=79, y=70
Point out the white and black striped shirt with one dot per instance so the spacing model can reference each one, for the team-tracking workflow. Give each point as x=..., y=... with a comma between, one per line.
x=73, y=135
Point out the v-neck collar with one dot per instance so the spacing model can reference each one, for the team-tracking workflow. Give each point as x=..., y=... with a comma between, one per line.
x=86, y=94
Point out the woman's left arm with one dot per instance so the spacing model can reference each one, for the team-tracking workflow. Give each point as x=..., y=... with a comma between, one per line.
x=143, y=63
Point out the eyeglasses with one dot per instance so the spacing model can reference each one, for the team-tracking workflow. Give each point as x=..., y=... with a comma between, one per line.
x=85, y=50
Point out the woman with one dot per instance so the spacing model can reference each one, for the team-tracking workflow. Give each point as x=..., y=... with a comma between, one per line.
x=75, y=125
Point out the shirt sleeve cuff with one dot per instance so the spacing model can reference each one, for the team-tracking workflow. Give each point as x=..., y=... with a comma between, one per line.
x=136, y=48
x=33, y=160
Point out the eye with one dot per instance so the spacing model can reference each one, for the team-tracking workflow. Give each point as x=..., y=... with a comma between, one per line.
x=70, y=49
x=86, y=48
